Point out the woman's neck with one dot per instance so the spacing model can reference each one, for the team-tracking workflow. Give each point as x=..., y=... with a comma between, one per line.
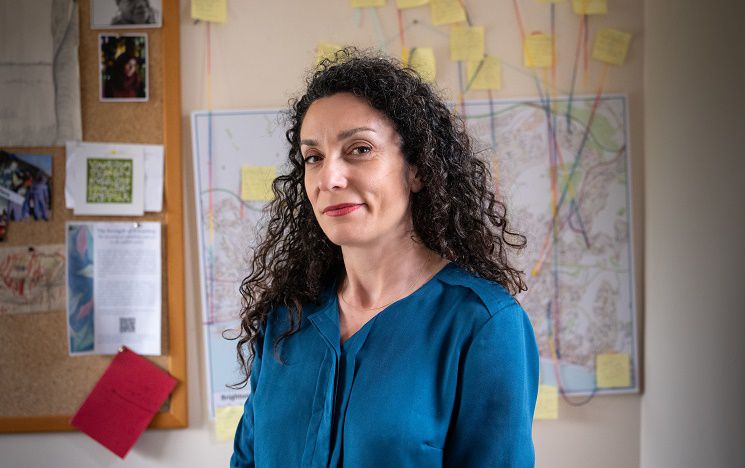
x=378, y=275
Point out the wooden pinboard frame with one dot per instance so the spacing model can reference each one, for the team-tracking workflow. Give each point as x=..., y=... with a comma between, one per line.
x=41, y=386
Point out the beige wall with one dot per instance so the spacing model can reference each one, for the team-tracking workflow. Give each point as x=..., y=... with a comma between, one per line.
x=693, y=409
x=258, y=59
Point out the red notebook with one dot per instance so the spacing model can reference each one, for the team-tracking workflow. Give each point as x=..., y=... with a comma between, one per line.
x=124, y=401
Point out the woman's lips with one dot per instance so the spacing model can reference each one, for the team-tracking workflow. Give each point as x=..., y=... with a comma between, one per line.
x=341, y=210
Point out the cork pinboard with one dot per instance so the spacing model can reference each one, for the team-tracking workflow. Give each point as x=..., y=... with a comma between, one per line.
x=41, y=386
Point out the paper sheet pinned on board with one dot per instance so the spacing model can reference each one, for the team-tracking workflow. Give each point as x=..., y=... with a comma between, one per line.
x=123, y=402
x=226, y=421
x=447, y=12
x=402, y=4
x=484, y=74
x=613, y=370
x=538, y=51
x=590, y=7
x=215, y=11
x=39, y=72
x=466, y=43
x=76, y=166
x=367, y=3
x=422, y=60
x=547, y=404
x=32, y=279
x=114, y=294
x=112, y=185
x=611, y=46
x=256, y=183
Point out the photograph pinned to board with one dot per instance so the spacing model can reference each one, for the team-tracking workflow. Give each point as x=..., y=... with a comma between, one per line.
x=32, y=279
x=76, y=170
x=108, y=182
x=107, y=14
x=113, y=287
x=123, y=67
x=25, y=188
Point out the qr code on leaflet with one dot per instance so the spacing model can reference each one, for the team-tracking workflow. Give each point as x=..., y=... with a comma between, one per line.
x=126, y=324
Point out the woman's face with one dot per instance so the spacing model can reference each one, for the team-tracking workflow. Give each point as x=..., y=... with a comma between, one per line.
x=355, y=174
x=130, y=67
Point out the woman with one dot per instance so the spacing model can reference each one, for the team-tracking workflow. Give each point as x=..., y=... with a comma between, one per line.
x=379, y=309
x=124, y=78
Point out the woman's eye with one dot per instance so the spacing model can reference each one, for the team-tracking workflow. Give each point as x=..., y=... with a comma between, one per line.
x=361, y=149
x=310, y=159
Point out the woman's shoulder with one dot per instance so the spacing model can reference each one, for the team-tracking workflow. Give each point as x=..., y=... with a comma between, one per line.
x=480, y=293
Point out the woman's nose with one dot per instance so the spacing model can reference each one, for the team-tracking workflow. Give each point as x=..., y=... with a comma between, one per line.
x=333, y=174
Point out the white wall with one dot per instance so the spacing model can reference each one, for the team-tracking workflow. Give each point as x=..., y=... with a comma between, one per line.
x=258, y=59
x=694, y=70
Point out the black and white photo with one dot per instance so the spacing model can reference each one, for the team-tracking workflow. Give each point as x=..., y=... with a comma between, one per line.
x=126, y=14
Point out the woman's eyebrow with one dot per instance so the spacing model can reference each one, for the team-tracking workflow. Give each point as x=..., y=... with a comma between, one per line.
x=341, y=136
x=348, y=133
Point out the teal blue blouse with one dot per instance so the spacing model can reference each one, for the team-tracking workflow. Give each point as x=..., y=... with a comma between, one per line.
x=447, y=376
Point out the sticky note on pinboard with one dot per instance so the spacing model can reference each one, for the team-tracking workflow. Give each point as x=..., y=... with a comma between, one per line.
x=547, y=404
x=538, y=51
x=215, y=11
x=226, y=421
x=401, y=4
x=256, y=183
x=613, y=370
x=446, y=11
x=466, y=43
x=326, y=50
x=367, y=3
x=611, y=46
x=590, y=7
x=421, y=60
x=484, y=74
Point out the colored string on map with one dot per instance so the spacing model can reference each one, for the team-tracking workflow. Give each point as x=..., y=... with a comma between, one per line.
x=210, y=243
x=461, y=96
x=401, y=29
x=577, y=52
x=585, y=51
x=536, y=269
x=461, y=88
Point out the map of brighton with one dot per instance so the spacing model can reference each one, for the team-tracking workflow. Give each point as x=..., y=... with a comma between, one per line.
x=567, y=189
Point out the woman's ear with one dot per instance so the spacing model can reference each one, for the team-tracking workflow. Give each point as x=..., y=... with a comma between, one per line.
x=415, y=183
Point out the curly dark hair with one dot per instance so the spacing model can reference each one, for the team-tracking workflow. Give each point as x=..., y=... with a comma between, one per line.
x=456, y=214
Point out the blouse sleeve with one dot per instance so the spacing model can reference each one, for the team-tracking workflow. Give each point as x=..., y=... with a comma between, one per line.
x=498, y=384
x=243, y=445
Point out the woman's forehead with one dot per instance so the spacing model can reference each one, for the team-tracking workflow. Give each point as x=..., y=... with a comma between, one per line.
x=342, y=111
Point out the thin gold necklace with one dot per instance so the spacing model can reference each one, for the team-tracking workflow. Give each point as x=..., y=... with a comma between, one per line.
x=408, y=291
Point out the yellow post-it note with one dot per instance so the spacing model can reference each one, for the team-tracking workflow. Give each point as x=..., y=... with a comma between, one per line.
x=256, y=182
x=367, y=3
x=611, y=46
x=613, y=370
x=401, y=4
x=326, y=50
x=226, y=421
x=446, y=11
x=466, y=43
x=547, y=404
x=484, y=74
x=421, y=60
x=215, y=11
x=590, y=7
x=538, y=51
